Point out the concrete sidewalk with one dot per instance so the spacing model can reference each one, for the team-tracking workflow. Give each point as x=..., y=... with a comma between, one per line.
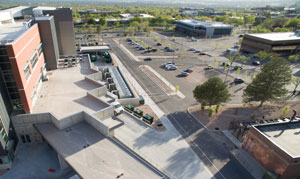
x=167, y=150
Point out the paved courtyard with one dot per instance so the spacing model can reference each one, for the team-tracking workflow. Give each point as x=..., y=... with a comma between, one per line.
x=33, y=162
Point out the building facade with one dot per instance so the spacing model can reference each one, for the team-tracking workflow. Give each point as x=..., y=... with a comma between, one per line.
x=276, y=147
x=200, y=28
x=64, y=30
x=283, y=43
x=49, y=39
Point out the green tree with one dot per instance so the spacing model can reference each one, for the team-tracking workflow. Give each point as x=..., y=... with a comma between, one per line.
x=212, y=92
x=269, y=84
x=263, y=55
x=294, y=57
x=296, y=83
x=117, y=24
x=232, y=57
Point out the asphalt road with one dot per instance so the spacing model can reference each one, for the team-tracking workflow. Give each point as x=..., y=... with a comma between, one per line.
x=206, y=144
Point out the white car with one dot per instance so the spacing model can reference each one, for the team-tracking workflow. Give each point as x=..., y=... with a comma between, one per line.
x=118, y=109
x=171, y=67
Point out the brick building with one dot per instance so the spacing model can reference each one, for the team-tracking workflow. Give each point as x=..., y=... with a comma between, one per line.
x=276, y=147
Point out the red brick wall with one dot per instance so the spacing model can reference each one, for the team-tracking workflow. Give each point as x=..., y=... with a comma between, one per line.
x=19, y=52
x=269, y=155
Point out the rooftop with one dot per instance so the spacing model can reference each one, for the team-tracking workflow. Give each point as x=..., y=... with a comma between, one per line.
x=92, y=155
x=196, y=22
x=65, y=92
x=10, y=32
x=285, y=135
x=277, y=36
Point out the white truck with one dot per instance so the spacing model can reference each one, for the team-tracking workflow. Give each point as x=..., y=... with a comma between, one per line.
x=118, y=109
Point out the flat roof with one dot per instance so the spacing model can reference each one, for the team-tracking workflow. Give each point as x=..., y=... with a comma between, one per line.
x=65, y=92
x=12, y=31
x=196, y=22
x=94, y=48
x=277, y=36
x=93, y=155
x=285, y=135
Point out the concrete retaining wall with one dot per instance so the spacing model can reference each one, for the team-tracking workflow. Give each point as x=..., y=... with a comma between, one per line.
x=133, y=101
x=104, y=113
x=97, y=124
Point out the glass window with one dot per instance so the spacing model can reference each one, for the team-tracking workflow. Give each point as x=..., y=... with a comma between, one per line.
x=39, y=79
x=40, y=49
x=32, y=93
x=33, y=60
x=26, y=69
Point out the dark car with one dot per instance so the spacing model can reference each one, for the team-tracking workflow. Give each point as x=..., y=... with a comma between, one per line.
x=154, y=50
x=237, y=67
x=240, y=36
x=238, y=81
x=224, y=64
x=202, y=53
x=141, y=48
x=129, y=39
x=256, y=63
x=166, y=48
x=158, y=44
x=183, y=74
x=148, y=59
x=188, y=70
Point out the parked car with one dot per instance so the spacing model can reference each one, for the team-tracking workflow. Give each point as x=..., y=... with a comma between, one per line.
x=194, y=40
x=141, y=48
x=197, y=51
x=171, y=67
x=192, y=49
x=202, y=53
x=242, y=35
x=129, y=39
x=170, y=50
x=236, y=46
x=154, y=50
x=188, y=70
x=225, y=64
x=256, y=63
x=237, y=67
x=173, y=40
x=158, y=44
x=209, y=67
x=183, y=74
x=167, y=63
x=133, y=43
x=166, y=48
x=148, y=59
x=238, y=81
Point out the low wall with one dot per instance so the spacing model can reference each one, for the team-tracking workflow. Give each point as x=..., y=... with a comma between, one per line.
x=98, y=91
x=104, y=113
x=97, y=124
x=92, y=66
x=133, y=101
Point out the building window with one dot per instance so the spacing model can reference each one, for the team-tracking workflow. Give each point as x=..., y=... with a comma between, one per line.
x=33, y=60
x=32, y=93
x=38, y=79
x=26, y=69
x=40, y=49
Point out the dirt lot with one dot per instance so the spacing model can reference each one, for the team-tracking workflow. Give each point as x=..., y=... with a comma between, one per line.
x=230, y=113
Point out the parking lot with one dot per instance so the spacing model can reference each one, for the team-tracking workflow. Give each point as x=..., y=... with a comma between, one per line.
x=183, y=59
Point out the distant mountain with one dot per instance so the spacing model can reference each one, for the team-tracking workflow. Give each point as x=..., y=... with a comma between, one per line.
x=180, y=3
